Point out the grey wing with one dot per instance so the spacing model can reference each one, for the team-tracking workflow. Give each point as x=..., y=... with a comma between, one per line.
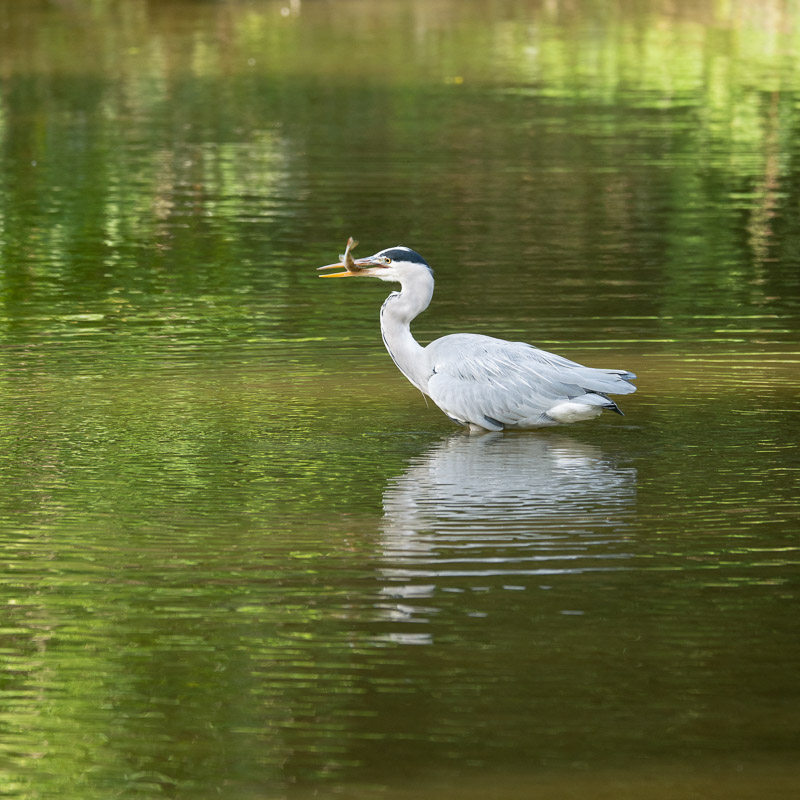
x=496, y=384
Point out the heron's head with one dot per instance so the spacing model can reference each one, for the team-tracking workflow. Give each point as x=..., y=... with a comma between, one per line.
x=396, y=264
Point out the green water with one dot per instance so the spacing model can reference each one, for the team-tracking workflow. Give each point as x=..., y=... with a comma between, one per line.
x=240, y=557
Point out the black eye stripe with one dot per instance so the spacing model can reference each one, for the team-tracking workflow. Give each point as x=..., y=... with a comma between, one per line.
x=404, y=254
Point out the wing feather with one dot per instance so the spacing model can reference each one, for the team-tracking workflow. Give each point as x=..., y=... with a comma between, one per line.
x=495, y=383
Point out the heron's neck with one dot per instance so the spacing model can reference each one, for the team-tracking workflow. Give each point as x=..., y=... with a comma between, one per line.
x=398, y=310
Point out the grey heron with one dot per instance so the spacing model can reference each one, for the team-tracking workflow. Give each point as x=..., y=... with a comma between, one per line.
x=479, y=381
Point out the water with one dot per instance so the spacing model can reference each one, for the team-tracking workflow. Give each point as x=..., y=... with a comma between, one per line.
x=240, y=557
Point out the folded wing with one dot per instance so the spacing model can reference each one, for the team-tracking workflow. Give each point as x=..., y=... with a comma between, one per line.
x=498, y=384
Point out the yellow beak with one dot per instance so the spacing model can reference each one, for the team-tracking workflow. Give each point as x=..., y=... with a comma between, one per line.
x=362, y=265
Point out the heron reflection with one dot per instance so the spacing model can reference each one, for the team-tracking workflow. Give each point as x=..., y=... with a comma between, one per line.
x=505, y=505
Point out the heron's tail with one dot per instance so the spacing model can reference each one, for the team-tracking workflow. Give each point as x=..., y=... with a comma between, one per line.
x=606, y=381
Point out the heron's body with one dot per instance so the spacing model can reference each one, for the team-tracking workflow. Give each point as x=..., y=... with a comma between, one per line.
x=478, y=380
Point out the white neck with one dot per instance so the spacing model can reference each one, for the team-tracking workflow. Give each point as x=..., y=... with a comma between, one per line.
x=398, y=310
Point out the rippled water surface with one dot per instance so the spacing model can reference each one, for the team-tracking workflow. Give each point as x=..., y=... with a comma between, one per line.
x=240, y=557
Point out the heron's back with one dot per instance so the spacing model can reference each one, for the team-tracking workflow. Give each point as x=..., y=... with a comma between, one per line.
x=496, y=384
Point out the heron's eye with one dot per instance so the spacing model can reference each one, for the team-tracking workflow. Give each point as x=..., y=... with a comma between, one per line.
x=386, y=260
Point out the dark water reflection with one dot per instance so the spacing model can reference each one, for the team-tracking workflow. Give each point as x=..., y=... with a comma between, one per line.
x=240, y=557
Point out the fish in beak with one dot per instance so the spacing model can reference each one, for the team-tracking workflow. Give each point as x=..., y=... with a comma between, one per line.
x=352, y=267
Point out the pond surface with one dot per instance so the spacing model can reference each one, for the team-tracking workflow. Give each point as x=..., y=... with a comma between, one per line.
x=240, y=556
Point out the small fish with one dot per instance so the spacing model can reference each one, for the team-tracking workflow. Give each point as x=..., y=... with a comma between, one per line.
x=347, y=257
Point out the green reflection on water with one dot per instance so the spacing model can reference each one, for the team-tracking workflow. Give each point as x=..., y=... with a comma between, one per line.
x=240, y=556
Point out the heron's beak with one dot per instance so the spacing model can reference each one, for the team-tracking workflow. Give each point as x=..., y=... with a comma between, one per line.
x=362, y=269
